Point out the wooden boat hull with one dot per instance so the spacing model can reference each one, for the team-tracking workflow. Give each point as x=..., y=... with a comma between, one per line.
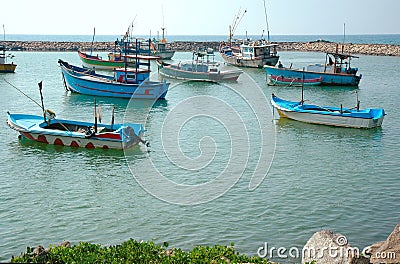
x=337, y=79
x=7, y=68
x=89, y=84
x=32, y=127
x=173, y=71
x=247, y=62
x=367, y=118
x=280, y=80
x=98, y=63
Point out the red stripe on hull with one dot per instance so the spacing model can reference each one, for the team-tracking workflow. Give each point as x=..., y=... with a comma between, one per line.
x=109, y=135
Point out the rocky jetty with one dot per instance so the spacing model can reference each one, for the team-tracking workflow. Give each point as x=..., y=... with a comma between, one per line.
x=326, y=247
x=387, y=251
x=314, y=46
x=321, y=46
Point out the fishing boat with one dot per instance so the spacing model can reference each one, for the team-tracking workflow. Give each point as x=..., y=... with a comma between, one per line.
x=160, y=49
x=253, y=54
x=123, y=55
x=125, y=83
x=97, y=62
x=4, y=66
x=155, y=47
x=293, y=81
x=328, y=115
x=335, y=71
x=249, y=53
x=202, y=67
x=50, y=130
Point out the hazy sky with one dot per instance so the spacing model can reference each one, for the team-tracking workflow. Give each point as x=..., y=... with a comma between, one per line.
x=204, y=17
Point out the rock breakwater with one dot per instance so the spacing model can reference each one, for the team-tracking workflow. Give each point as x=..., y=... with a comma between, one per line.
x=316, y=46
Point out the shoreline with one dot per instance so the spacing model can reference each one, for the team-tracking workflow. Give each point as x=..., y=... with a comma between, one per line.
x=188, y=46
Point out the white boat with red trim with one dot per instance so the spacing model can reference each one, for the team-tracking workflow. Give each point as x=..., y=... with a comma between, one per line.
x=47, y=129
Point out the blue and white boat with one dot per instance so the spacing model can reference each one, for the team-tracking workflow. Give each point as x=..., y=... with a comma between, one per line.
x=336, y=71
x=50, y=130
x=125, y=83
x=76, y=133
x=327, y=115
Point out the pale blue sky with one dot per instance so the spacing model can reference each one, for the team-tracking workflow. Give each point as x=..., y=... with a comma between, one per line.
x=200, y=17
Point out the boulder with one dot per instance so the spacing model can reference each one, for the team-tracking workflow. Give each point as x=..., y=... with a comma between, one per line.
x=387, y=251
x=325, y=247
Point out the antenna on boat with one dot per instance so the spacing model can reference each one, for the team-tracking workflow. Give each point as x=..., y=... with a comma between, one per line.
x=91, y=47
x=344, y=33
x=266, y=20
x=163, y=26
x=41, y=99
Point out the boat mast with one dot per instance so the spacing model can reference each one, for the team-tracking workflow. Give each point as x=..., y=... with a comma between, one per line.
x=344, y=36
x=235, y=23
x=91, y=47
x=163, y=40
x=41, y=99
x=126, y=59
x=112, y=118
x=95, y=116
x=266, y=21
x=4, y=33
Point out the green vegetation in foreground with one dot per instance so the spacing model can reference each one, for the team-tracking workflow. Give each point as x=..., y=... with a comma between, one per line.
x=132, y=251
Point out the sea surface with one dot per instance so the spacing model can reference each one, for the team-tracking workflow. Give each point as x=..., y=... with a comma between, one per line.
x=357, y=39
x=221, y=168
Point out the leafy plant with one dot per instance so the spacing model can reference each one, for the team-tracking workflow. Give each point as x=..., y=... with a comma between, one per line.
x=132, y=251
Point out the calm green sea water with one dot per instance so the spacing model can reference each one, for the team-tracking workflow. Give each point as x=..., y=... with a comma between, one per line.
x=202, y=181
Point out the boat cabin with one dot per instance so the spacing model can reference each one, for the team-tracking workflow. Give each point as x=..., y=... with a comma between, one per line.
x=4, y=66
x=202, y=61
x=2, y=55
x=253, y=50
x=161, y=47
x=337, y=63
x=131, y=76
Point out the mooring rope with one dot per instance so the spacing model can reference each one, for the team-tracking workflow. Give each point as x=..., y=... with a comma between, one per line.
x=19, y=90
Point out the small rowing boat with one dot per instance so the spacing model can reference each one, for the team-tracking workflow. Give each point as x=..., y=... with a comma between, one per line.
x=47, y=129
x=294, y=81
x=328, y=115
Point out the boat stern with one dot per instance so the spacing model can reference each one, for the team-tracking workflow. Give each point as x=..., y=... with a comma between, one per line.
x=131, y=135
